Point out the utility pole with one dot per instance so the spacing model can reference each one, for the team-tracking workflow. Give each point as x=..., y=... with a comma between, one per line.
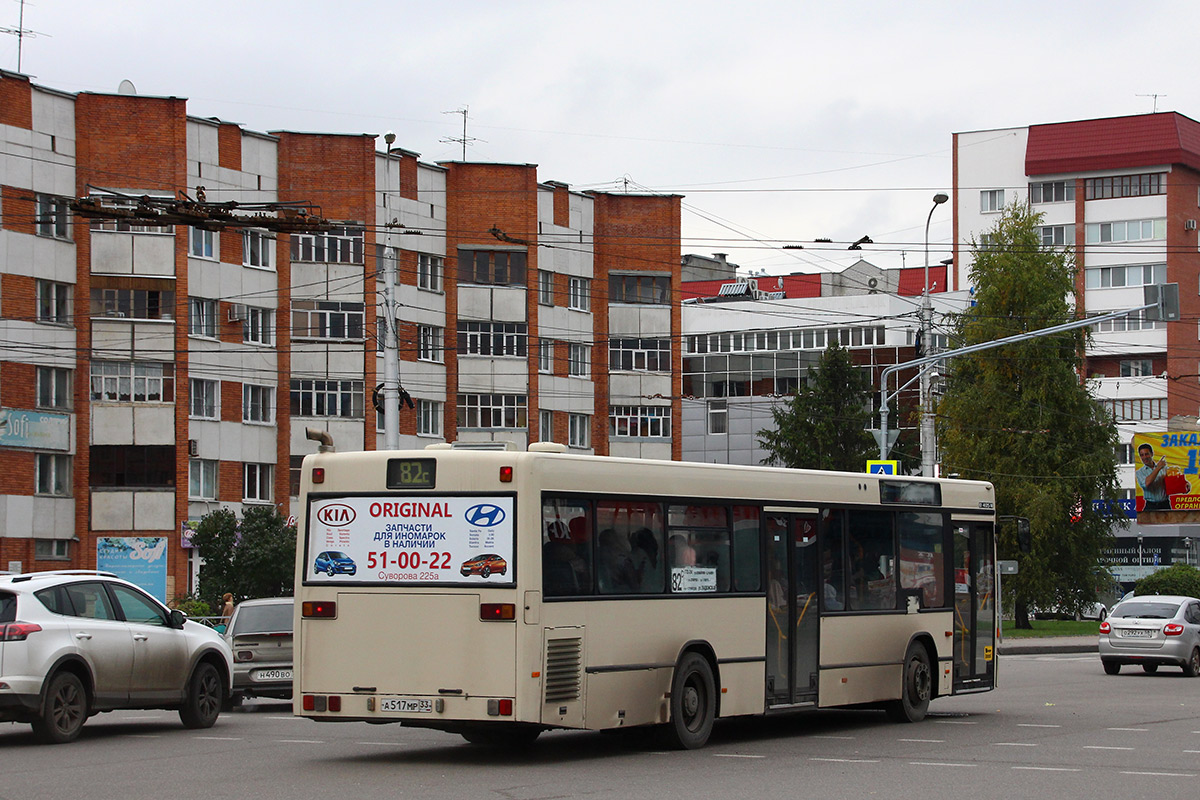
x=391, y=358
x=928, y=444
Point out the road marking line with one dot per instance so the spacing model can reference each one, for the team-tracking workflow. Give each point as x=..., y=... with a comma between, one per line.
x=925, y=741
x=1052, y=769
x=827, y=736
x=1014, y=744
x=954, y=722
x=299, y=741
x=219, y=738
x=736, y=755
x=848, y=760
x=939, y=764
x=1191, y=751
x=287, y=718
x=157, y=736
x=1102, y=747
x=1137, y=730
x=1163, y=774
x=1035, y=725
x=382, y=744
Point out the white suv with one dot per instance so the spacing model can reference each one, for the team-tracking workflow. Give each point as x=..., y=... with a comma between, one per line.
x=74, y=643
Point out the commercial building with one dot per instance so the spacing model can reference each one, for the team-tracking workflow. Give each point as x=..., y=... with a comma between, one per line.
x=153, y=370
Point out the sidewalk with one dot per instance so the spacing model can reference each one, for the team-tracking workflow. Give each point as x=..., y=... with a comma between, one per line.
x=1050, y=644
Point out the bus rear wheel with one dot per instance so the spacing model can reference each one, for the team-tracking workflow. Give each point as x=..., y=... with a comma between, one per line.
x=693, y=702
x=917, y=689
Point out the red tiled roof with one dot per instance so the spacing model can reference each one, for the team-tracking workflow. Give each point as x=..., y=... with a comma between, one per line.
x=1115, y=143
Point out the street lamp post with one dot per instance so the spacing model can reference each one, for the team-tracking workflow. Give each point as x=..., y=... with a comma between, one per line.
x=928, y=448
x=391, y=358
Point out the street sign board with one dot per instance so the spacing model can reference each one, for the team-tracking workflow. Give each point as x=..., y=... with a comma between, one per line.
x=1007, y=567
x=880, y=467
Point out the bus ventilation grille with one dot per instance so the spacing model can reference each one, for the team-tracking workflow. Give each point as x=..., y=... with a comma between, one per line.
x=563, y=659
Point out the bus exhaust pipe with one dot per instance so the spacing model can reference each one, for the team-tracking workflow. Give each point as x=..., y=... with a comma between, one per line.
x=324, y=437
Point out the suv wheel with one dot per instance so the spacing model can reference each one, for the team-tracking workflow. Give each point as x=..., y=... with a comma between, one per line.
x=203, y=702
x=64, y=709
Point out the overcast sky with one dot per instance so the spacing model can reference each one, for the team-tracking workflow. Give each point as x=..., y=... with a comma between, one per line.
x=779, y=122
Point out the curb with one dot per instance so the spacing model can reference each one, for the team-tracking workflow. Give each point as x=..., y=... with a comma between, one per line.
x=1028, y=648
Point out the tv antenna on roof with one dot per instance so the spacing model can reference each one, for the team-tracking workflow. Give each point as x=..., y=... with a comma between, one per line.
x=21, y=32
x=1155, y=96
x=464, y=140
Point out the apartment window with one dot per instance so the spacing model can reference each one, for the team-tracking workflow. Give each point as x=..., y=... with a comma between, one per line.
x=256, y=249
x=492, y=338
x=133, y=303
x=718, y=416
x=545, y=426
x=258, y=403
x=1137, y=409
x=429, y=418
x=987, y=241
x=429, y=272
x=1052, y=192
x=492, y=411
x=430, y=343
x=133, y=382
x=257, y=483
x=343, y=245
x=132, y=465
x=579, y=360
x=640, y=421
x=201, y=243
x=1135, y=321
x=54, y=388
x=202, y=479
x=579, y=294
x=639, y=355
x=991, y=200
x=579, y=430
x=1124, y=454
x=1125, y=186
x=295, y=470
x=53, y=474
x=53, y=217
x=326, y=398
x=202, y=317
x=127, y=225
x=1058, y=235
x=202, y=396
x=648, y=289
x=1136, y=367
x=257, y=327
x=1129, y=275
x=54, y=302
x=52, y=549
x=322, y=319
x=545, y=280
x=492, y=267
x=1135, y=230
x=545, y=355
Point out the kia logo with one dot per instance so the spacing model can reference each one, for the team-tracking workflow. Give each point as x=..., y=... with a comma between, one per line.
x=336, y=514
x=485, y=515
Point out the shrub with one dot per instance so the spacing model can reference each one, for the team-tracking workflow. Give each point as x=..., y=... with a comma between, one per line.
x=1180, y=579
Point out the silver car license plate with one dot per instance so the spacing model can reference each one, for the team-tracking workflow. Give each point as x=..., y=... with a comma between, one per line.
x=1136, y=633
x=273, y=675
x=408, y=705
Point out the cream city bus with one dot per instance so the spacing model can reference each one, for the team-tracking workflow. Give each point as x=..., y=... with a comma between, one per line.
x=497, y=594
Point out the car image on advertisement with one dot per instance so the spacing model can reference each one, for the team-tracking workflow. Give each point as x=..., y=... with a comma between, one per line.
x=1150, y=631
x=74, y=643
x=334, y=562
x=484, y=565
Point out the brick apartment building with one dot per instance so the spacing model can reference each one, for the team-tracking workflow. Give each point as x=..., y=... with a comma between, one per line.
x=150, y=373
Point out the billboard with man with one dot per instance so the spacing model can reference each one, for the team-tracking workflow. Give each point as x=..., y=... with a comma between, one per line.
x=1167, y=477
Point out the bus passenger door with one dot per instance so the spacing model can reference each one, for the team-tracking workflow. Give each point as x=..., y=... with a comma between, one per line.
x=793, y=616
x=974, y=607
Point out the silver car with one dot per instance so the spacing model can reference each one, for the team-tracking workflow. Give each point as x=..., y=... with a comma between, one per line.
x=75, y=642
x=260, y=635
x=1152, y=630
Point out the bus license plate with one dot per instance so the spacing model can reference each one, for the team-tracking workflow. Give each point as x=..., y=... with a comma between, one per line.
x=273, y=675
x=407, y=705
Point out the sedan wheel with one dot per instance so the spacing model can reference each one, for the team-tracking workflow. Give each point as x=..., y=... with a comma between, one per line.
x=1192, y=667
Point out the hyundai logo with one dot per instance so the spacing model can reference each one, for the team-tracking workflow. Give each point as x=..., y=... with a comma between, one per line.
x=485, y=515
x=336, y=514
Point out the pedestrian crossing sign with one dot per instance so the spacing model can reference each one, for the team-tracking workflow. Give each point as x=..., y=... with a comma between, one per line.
x=883, y=467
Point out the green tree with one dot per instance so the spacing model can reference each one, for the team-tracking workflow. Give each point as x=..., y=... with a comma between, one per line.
x=251, y=558
x=1021, y=417
x=824, y=424
x=1180, y=579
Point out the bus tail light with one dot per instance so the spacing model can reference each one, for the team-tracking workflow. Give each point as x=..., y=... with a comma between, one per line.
x=318, y=609
x=1172, y=629
x=498, y=612
x=1105, y=627
x=500, y=708
x=320, y=703
x=318, y=475
x=506, y=474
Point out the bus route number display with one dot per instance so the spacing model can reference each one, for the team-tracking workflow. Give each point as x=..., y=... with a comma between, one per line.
x=429, y=539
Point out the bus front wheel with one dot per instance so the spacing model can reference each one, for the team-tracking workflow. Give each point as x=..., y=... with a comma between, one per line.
x=693, y=702
x=917, y=688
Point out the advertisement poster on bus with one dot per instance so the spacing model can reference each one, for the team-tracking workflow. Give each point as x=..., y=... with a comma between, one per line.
x=1167, y=477
x=431, y=539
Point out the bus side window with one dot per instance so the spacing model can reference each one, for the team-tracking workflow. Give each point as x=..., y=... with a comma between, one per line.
x=566, y=554
x=833, y=577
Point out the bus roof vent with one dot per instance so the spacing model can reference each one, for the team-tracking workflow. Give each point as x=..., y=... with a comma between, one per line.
x=547, y=447
x=484, y=446
x=438, y=446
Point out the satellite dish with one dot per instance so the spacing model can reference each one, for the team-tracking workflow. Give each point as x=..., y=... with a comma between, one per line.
x=126, y=87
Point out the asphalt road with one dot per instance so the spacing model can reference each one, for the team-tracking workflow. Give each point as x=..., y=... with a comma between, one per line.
x=1058, y=727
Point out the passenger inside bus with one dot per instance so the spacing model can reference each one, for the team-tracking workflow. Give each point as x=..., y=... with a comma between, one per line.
x=614, y=564
x=647, y=566
x=564, y=571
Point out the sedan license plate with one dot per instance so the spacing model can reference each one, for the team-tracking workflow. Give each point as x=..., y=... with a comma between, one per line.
x=408, y=705
x=1136, y=633
x=273, y=675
